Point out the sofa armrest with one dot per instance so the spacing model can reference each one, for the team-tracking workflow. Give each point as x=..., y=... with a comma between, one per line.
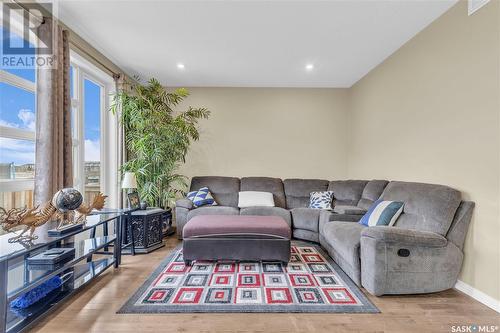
x=403, y=261
x=404, y=236
x=182, y=209
x=184, y=203
x=345, y=217
x=349, y=210
x=324, y=218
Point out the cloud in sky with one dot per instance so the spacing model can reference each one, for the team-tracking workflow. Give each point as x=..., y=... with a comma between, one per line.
x=17, y=151
x=7, y=124
x=92, y=150
x=28, y=118
x=23, y=151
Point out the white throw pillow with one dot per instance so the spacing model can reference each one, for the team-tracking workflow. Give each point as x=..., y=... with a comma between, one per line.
x=255, y=198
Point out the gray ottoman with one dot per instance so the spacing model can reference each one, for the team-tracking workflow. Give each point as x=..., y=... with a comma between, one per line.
x=236, y=238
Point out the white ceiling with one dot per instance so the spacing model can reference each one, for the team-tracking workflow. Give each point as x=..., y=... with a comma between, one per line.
x=250, y=43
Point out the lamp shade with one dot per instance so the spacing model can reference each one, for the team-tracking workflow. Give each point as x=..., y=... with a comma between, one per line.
x=129, y=180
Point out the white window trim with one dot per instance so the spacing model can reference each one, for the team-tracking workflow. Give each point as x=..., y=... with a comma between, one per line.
x=16, y=133
x=17, y=185
x=17, y=81
x=83, y=69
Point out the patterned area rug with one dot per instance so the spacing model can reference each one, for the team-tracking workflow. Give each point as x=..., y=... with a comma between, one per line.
x=312, y=282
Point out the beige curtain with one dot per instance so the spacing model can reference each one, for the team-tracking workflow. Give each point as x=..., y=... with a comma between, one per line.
x=54, y=162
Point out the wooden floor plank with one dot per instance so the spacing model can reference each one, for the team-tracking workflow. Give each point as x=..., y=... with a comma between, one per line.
x=94, y=310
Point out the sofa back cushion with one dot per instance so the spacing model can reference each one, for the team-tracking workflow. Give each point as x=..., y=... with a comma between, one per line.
x=427, y=207
x=297, y=191
x=265, y=184
x=224, y=189
x=347, y=192
x=371, y=193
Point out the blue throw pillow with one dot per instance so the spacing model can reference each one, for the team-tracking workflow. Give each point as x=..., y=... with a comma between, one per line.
x=382, y=213
x=321, y=200
x=202, y=197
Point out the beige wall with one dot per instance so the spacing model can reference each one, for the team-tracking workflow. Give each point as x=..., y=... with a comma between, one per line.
x=430, y=113
x=275, y=132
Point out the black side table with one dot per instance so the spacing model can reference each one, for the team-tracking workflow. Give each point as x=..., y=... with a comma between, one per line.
x=145, y=229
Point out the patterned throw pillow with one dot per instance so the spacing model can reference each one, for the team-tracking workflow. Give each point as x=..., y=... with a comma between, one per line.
x=382, y=213
x=202, y=197
x=321, y=200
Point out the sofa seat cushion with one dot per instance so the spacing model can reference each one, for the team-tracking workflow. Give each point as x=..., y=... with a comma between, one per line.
x=268, y=211
x=348, y=210
x=213, y=210
x=344, y=238
x=307, y=235
x=306, y=218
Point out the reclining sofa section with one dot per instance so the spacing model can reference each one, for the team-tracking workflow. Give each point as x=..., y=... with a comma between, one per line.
x=422, y=253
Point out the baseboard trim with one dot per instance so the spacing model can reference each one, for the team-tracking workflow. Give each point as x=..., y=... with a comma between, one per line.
x=478, y=295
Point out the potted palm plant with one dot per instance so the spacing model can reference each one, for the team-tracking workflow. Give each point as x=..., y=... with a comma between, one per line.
x=157, y=138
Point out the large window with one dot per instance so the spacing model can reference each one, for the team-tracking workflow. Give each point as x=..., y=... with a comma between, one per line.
x=17, y=133
x=94, y=132
x=91, y=127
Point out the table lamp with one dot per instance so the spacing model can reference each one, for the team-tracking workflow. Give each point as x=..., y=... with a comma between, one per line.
x=129, y=181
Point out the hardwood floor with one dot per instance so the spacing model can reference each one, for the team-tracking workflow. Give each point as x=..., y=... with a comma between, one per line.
x=94, y=310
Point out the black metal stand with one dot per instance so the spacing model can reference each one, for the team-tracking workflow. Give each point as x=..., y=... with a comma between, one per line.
x=127, y=230
x=3, y=295
x=84, y=268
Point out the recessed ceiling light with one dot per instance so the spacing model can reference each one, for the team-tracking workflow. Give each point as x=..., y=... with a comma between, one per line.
x=309, y=67
x=180, y=66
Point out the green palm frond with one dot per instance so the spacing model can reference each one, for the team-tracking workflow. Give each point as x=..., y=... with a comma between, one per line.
x=157, y=138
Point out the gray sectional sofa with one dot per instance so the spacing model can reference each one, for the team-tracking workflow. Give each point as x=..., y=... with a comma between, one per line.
x=422, y=253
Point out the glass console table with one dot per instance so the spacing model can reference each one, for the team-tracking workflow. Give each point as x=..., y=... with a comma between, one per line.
x=91, y=259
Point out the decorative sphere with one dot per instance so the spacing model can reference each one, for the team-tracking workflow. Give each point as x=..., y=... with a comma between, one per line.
x=67, y=199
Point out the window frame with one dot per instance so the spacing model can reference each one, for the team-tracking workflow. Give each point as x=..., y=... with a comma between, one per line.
x=84, y=70
x=109, y=128
x=17, y=185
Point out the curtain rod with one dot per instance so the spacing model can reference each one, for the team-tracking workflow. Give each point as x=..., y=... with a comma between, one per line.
x=41, y=20
x=113, y=73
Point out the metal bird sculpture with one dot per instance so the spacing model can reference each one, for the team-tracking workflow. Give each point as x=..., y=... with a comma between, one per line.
x=32, y=218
